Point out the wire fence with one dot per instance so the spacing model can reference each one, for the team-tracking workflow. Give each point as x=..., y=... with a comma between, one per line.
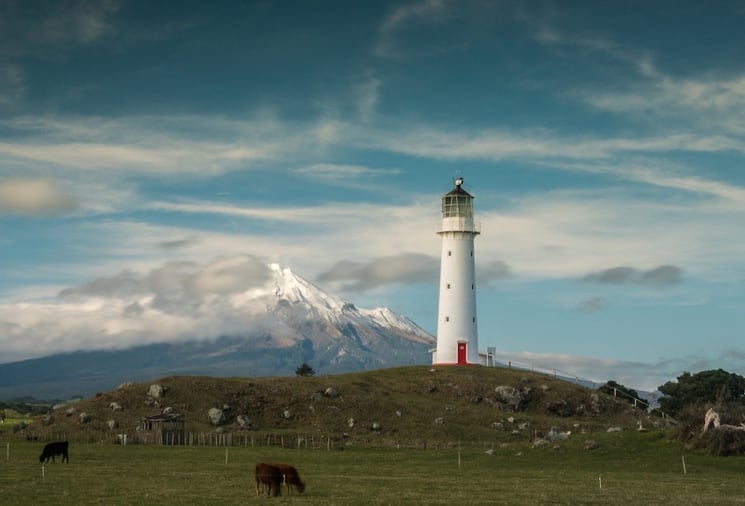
x=258, y=440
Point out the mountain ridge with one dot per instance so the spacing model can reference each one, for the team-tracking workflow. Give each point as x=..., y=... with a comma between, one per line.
x=289, y=322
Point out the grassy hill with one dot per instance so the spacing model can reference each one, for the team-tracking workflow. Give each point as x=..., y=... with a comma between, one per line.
x=408, y=406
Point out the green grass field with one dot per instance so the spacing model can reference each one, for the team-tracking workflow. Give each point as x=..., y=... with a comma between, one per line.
x=628, y=468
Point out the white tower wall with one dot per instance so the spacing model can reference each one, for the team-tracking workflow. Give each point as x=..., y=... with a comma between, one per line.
x=456, y=320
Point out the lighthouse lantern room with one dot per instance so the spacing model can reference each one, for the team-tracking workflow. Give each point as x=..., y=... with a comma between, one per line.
x=457, y=336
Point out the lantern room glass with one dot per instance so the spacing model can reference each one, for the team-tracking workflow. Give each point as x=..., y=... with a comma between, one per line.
x=457, y=206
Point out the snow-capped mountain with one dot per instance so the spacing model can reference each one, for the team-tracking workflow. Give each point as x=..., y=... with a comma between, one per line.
x=287, y=322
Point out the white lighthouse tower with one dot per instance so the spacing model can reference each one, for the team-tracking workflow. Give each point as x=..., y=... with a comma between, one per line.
x=457, y=336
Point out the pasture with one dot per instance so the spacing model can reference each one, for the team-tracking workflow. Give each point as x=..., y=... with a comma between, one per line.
x=627, y=468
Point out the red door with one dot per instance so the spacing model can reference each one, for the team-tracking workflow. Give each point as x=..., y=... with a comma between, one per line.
x=462, y=354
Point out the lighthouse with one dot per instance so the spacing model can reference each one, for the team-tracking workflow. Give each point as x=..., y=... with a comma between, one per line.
x=457, y=336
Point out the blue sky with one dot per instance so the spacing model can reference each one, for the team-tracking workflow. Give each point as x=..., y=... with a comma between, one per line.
x=155, y=156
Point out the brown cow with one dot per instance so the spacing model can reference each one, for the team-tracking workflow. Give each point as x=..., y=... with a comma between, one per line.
x=290, y=477
x=268, y=479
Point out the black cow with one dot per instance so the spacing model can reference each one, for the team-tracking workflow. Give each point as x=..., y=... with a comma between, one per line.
x=52, y=449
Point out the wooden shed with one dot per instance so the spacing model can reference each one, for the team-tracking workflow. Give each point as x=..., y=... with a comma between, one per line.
x=164, y=429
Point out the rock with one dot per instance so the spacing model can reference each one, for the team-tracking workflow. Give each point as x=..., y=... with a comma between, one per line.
x=555, y=434
x=497, y=425
x=156, y=391
x=560, y=408
x=538, y=443
x=596, y=403
x=591, y=445
x=216, y=416
x=510, y=396
x=124, y=385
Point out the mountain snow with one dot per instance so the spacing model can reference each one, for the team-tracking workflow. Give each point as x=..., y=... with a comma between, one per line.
x=298, y=298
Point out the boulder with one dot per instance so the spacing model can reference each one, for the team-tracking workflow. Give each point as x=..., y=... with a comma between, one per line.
x=591, y=445
x=512, y=397
x=156, y=391
x=540, y=442
x=596, y=403
x=244, y=422
x=216, y=416
x=556, y=434
x=560, y=408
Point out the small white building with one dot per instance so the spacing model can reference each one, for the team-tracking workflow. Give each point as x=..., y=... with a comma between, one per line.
x=457, y=325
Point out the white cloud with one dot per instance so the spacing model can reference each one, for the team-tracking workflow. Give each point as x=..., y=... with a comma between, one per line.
x=532, y=146
x=174, y=301
x=331, y=172
x=36, y=197
x=572, y=233
x=12, y=84
x=550, y=233
x=368, y=95
x=143, y=145
x=401, y=17
x=51, y=29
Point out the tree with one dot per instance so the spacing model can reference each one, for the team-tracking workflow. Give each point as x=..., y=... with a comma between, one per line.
x=712, y=387
x=304, y=370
